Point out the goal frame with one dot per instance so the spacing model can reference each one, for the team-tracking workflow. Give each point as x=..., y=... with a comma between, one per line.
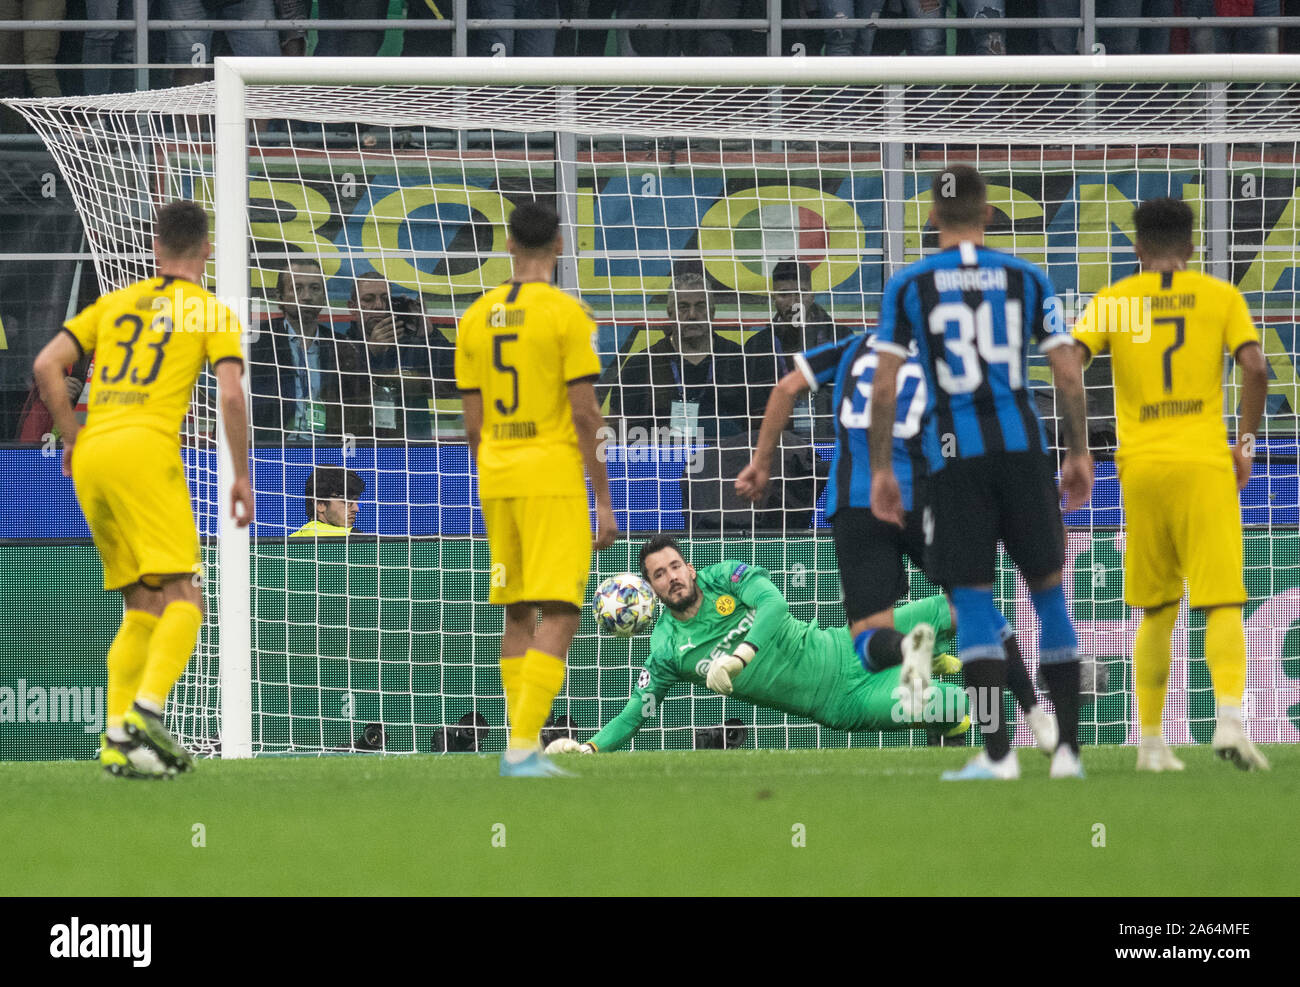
x=231, y=177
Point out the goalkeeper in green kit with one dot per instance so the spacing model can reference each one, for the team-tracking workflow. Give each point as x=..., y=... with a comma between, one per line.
x=729, y=628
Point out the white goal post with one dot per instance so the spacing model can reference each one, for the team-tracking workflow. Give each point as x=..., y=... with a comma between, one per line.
x=1131, y=122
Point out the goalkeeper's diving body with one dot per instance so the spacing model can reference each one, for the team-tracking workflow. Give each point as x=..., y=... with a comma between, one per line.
x=729, y=628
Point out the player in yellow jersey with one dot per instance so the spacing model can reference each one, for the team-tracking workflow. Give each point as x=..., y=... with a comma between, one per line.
x=1167, y=329
x=150, y=341
x=526, y=368
x=331, y=496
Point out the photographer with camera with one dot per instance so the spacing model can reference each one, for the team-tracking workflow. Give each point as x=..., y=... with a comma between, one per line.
x=392, y=352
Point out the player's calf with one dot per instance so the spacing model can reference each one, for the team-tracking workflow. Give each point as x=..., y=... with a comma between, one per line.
x=1018, y=676
x=1058, y=657
x=879, y=648
x=979, y=624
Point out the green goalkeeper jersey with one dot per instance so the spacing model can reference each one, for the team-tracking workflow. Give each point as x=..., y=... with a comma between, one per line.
x=799, y=668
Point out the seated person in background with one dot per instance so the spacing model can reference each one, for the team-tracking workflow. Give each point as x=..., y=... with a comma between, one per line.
x=298, y=390
x=692, y=383
x=391, y=353
x=798, y=325
x=332, y=493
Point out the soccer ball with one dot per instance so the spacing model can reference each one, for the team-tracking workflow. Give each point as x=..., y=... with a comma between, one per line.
x=624, y=605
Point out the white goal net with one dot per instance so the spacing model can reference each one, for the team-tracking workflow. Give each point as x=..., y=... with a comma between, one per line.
x=734, y=212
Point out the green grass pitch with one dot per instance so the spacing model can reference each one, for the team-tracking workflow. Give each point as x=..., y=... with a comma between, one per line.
x=873, y=822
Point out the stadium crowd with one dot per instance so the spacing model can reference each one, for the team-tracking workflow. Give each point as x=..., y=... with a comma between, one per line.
x=373, y=372
x=53, y=58
x=375, y=366
x=371, y=369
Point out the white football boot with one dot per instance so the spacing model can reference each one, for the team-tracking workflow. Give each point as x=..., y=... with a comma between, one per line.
x=1154, y=755
x=1232, y=745
x=1066, y=764
x=981, y=767
x=918, y=655
x=1042, y=725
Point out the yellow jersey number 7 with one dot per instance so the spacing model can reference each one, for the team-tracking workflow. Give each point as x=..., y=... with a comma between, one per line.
x=1180, y=336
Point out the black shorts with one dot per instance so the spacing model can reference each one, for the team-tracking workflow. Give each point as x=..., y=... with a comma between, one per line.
x=974, y=503
x=870, y=553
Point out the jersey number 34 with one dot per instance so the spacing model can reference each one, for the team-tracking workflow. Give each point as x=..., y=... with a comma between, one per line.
x=975, y=339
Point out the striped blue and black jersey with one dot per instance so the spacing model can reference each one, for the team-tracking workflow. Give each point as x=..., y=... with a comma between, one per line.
x=971, y=312
x=851, y=365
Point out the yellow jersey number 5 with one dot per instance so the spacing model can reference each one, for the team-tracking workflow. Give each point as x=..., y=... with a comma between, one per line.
x=499, y=362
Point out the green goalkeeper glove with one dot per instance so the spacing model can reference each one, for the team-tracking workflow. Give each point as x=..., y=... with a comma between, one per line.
x=723, y=670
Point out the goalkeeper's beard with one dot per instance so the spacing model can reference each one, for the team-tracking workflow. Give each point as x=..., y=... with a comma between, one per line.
x=685, y=604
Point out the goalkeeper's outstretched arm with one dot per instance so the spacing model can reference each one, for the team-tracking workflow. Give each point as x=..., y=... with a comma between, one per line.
x=643, y=705
x=771, y=610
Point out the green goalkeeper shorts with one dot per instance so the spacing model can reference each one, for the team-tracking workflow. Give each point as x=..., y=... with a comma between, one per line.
x=874, y=701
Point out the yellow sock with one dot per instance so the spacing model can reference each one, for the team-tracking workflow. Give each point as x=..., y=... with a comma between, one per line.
x=170, y=649
x=511, y=670
x=540, y=680
x=1151, y=652
x=126, y=660
x=1225, y=653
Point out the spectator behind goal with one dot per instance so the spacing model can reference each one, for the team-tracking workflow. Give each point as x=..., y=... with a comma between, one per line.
x=798, y=325
x=692, y=385
x=395, y=357
x=299, y=391
x=331, y=496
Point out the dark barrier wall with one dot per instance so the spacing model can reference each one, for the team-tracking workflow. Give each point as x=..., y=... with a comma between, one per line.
x=427, y=490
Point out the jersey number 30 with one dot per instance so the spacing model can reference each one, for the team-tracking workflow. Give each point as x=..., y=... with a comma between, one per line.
x=855, y=411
